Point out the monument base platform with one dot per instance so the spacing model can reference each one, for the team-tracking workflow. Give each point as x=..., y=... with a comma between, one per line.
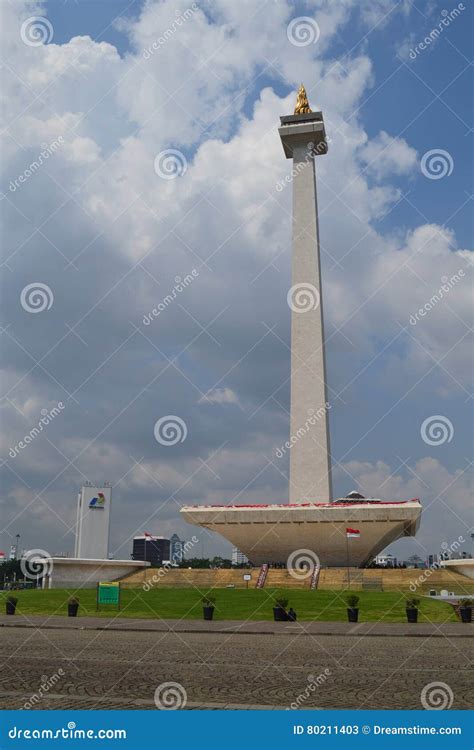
x=274, y=533
x=462, y=566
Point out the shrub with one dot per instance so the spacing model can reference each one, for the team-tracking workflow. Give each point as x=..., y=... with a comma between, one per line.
x=281, y=602
x=412, y=603
x=73, y=600
x=12, y=600
x=352, y=601
x=208, y=601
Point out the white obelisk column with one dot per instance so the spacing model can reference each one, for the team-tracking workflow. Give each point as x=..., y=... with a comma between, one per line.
x=303, y=138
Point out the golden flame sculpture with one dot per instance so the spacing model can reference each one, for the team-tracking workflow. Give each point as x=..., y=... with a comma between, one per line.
x=302, y=104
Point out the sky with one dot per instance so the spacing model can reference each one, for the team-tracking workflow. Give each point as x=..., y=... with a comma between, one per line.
x=146, y=242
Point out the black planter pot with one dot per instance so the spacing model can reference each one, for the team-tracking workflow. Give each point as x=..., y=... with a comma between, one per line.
x=72, y=610
x=279, y=614
x=208, y=613
x=352, y=614
x=10, y=608
x=412, y=614
x=466, y=614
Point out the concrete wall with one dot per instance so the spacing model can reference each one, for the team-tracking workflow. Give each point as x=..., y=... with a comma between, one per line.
x=333, y=579
x=71, y=573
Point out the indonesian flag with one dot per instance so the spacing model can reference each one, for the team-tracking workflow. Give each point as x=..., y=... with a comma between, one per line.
x=352, y=533
x=145, y=533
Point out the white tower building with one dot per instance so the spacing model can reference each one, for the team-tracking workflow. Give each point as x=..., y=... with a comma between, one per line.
x=93, y=523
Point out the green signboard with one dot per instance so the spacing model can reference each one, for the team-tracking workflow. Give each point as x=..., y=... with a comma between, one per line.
x=108, y=593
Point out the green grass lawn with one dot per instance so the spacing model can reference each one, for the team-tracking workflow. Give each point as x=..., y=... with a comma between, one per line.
x=231, y=604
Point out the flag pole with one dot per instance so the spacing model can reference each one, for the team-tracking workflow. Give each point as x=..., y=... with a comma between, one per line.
x=347, y=558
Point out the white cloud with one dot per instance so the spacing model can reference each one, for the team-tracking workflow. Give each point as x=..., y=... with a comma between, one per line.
x=386, y=156
x=220, y=396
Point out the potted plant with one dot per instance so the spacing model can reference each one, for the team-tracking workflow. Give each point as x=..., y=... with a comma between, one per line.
x=279, y=610
x=465, y=610
x=208, y=607
x=72, y=606
x=411, y=606
x=352, y=609
x=11, y=603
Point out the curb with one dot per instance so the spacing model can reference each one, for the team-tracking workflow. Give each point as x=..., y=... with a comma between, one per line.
x=228, y=631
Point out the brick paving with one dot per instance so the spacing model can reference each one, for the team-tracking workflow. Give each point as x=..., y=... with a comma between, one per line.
x=121, y=670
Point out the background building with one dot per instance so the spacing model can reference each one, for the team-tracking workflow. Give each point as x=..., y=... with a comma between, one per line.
x=386, y=560
x=176, y=549
x=152, y=549
x=238, y=557
x=93, y=523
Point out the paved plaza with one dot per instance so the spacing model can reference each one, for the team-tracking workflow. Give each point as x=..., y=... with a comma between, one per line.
x=96, y=668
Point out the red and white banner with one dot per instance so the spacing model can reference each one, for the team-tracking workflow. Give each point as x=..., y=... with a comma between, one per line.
x=352, y=533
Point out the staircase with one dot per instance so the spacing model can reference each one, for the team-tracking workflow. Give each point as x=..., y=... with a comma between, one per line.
x=262, y=576
x=313, y=584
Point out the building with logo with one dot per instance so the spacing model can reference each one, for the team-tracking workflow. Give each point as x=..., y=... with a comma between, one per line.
x=92, y=561
x=93, y=523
